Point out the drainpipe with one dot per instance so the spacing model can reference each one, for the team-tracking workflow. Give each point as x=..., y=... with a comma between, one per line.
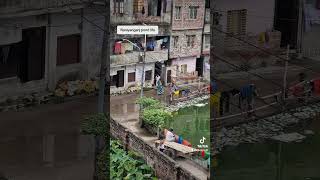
x=48, y=65
x=300, y=30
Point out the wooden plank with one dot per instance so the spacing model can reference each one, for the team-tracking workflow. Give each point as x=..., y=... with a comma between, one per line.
x=178, y=147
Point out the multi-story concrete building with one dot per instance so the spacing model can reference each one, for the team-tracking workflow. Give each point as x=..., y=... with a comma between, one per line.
x=126, y=66
x=47, y=41
x=186, y=40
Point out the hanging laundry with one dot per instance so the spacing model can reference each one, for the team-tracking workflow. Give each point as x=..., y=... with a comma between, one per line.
x=316, y=86
x=224, y=102
x=117, y=48
x=267, y=37
x=262, y=37
x=213, y=86
x=150, y=45
x=297, y=90
x=215, y=100
x=128, y=47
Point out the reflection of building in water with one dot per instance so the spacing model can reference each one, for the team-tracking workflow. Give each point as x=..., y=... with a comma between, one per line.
x=48, y=149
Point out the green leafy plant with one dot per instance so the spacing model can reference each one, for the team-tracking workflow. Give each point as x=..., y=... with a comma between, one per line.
x=95, y=124
x=147, y=102
x=156, y=117
x=125, y=165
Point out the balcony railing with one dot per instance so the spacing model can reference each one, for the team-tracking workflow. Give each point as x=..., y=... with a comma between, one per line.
x=133, y=57
x=15, y=6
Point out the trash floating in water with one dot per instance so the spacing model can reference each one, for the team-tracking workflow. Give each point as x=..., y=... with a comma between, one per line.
x=291, y=137
x=200, y=105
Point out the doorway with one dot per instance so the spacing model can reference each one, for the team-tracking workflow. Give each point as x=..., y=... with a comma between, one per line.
x=32, y=64
x=169, y=77
x=157, y=70
x=286, y=21
x=199, y=66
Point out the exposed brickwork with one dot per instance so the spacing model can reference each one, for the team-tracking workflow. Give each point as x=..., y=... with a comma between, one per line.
x=182, y=50
x=185, y=22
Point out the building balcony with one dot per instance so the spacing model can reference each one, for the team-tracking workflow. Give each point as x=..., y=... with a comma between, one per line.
x=12, y=7
x=133, y=57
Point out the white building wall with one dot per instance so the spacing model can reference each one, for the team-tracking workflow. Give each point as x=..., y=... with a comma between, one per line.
x=63, y=23
x=190, y=61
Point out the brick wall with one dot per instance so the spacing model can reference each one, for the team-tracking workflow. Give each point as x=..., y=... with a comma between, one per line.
x=182, y=50
x=185, y=22
x=164, y=167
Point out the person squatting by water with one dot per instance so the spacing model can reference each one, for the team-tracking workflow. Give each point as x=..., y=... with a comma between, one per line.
x=173, y=91
x=170, y=137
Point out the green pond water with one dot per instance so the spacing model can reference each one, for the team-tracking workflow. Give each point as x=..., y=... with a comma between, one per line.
x=271, y=161
x=192, y=123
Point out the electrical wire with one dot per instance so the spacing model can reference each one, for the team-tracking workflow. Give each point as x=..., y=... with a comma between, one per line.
x=264, y=50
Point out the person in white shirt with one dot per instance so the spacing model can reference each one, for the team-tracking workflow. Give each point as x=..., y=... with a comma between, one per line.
x=170, y=136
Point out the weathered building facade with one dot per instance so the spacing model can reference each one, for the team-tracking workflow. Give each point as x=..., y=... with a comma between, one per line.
x=186, y=40
x=127, y=56
x=45, y=42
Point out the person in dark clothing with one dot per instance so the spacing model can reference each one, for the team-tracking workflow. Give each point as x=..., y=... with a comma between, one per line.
x=224, y=102
x=248, y=93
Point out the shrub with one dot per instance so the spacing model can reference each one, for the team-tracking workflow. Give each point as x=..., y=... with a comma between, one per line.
x=156, y=117
x=147, y=102
x=95, y=124
x=124, y=165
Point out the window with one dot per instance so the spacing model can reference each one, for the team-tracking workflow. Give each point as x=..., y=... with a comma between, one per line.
x=191, y=40
x=193, y=12
x=132, y=77
x=236, y=22
x=8, y=65
x=175, y=41
x=68, y=50
x=207, y=5
x=138, y=6
x=118, y=6
x=184, y=68
x=148, y=75
x=178, y=12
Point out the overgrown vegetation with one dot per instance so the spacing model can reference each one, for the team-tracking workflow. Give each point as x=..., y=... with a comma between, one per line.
x=156, y=117
x=123, y=165
x=149, y=103
x=154, y=112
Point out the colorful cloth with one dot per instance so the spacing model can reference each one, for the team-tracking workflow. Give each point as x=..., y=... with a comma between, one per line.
x=316, y=86
x=215, y=100
x=117, y=48
x=180, y=140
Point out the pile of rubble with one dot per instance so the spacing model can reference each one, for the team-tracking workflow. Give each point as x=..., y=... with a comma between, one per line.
x=71, y=88
x=188, y=103
x=263, y=129
x=136, y=88
x=19, y=102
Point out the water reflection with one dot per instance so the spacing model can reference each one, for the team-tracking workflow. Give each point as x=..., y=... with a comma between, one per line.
x=192, y=123
x=271, y=161
x=47, y=157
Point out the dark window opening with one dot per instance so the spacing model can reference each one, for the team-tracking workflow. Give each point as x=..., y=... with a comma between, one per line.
x=32, y=54
x=154, y=7
x=68, y=49
x=132, y=77
x=8, y=62
x=148, y=75
x=119, y=6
